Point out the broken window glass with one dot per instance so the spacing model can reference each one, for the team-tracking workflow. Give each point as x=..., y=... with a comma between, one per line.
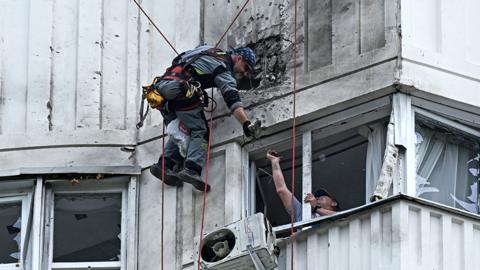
x=447, y=166
x=10, y=227
x=87, y=227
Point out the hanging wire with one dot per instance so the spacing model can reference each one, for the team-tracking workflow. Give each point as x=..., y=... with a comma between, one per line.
x=154, y=25
x=292, y=233
x=163, y=186
x=224, y=33
x=205, y=190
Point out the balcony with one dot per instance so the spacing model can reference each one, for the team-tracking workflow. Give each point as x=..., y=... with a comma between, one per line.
x=400, y=232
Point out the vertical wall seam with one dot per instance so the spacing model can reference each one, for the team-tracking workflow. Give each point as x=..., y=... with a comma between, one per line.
x=102, y=45
x=76, y=64
x=52, y=67
x=202, y=22
x=125, y=67
x=305, y=34
x=27, y=66
x=139, y=62
x=359, y=21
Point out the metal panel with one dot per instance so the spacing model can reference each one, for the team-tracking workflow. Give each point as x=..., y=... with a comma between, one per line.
x=398, y=235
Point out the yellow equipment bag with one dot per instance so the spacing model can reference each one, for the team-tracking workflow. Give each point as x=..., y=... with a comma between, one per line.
x=152, y=96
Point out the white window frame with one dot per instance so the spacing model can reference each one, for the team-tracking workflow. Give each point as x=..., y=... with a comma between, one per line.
x=127, y=186
x=19, y=191
x=442, y=112
x=332, y=124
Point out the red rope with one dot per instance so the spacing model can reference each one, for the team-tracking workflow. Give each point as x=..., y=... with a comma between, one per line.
x=163, y=184
x=238, y=14
x=205, y=190
x=154, y=25
x=294, y=131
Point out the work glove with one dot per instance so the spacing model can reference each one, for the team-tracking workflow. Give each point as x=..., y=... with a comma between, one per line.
x=252, y=130
x=247, y=129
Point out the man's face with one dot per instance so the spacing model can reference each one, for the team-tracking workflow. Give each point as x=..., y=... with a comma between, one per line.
x=240, y=68
x=326, y=202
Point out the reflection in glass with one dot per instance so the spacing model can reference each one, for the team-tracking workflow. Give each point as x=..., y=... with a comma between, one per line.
x=10, y=226
x=87, y=227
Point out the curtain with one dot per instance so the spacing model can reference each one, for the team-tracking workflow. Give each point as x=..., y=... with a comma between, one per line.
x=376, y=135
x=447, y=170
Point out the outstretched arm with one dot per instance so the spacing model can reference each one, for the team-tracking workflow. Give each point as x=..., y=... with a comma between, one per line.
x=282, y=190
x=240, y=115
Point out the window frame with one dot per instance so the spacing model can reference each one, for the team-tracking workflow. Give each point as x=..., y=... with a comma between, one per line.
x=447, y=122
x=448, y=112
x=20, y=191
x=127, y=186
x=330, y=124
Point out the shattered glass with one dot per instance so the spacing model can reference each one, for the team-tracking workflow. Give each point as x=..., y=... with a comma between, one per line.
x=10, y=228
x=448, y=167
x=87, y=227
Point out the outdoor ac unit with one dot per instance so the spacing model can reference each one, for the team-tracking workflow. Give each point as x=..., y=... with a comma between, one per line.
x=245, y=244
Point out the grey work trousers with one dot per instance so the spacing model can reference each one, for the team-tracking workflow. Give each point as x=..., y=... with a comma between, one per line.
x=197, y=125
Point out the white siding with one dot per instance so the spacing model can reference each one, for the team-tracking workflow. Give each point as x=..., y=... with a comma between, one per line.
x=401, y=235
x=440, y=48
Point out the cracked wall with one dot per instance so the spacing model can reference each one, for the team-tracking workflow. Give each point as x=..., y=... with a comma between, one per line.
x=340, y=47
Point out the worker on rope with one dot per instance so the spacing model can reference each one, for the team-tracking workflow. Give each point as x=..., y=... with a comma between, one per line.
x=180, y=93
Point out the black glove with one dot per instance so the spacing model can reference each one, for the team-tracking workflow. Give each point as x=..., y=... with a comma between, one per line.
x=246, y=129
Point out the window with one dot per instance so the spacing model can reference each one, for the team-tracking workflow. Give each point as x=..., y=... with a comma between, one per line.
x=11, y=227
x=88, y=224
x=341, y=153
x=15, y=213
x=95, y=219
x=447, y=161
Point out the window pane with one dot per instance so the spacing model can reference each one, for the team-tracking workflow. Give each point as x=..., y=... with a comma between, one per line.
x=447, y=166
x=87, y=227
x=10, y=225
x=275, y=212
x=339, y=166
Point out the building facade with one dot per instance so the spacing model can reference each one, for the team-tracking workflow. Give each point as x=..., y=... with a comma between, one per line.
x=387, y=100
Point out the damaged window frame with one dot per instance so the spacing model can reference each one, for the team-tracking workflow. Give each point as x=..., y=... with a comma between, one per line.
x=334, y=123
x=124, y=185
x=448, y=115
x=19, y=191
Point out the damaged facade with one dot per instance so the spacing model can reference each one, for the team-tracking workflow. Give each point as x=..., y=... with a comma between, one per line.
x=387, y=105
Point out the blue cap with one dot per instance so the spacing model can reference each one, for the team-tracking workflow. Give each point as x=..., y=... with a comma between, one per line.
x=247, y=54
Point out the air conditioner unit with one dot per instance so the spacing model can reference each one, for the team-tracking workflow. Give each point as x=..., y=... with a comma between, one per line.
x=245, y=244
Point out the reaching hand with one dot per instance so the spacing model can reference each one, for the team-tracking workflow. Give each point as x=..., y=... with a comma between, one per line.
x=246, y=129
x=311, y=199
x=272, y=156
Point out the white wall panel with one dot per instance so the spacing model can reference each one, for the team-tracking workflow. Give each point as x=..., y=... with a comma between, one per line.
x=390, y=237
x=440, y=48
x=14, y=79
x=64, y=65
x=39, y=55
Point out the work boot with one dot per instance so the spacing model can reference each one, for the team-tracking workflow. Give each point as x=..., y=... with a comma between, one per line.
x=171, y=177
x=192, y=177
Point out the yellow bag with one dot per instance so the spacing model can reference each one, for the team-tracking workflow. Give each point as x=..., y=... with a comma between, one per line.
x=152, y=96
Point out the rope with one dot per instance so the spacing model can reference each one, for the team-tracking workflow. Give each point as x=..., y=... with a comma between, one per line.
x=294, y=133
x=238, y=14
x=163, y=184
x=154, y=25
x=205, y=190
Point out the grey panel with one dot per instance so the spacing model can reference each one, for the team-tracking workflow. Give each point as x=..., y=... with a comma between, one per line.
x=319, y=33
x=372, y=25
